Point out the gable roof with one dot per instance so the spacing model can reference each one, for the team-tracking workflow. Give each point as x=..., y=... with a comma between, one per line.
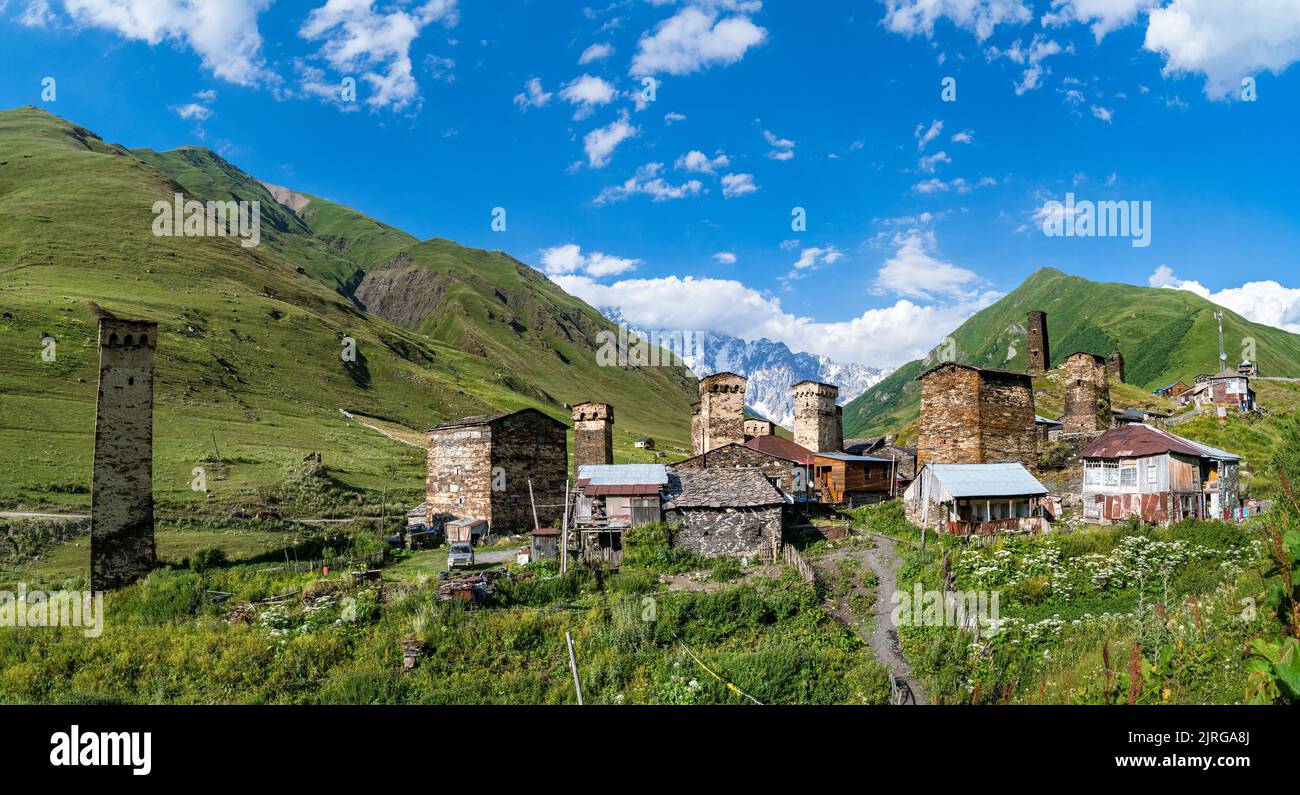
x=783, y=448
x=490, y=419
x=987, y=480
x=847, y=457
x=1133, y=441
x=721, y=488
x=982, y=370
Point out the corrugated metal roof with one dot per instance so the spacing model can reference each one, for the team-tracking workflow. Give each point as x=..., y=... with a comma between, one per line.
x=1041, y=420
x=1134, y=441
x=987, y=480
x=623, y=474
x=847, y=457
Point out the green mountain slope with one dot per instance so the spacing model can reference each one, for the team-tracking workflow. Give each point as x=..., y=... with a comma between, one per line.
x=1164, y=335
x=250, y=338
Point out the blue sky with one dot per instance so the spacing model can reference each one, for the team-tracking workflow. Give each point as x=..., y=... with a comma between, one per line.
x=678, y=209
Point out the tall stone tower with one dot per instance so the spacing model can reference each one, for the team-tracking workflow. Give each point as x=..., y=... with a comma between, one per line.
x=697, y=430
x=1087, y=396
x=971, y=415
x=722, y=410
x=1037, y=356
x=1115, y=366
x=121, y=499
x=816, y=417
x=593, y=435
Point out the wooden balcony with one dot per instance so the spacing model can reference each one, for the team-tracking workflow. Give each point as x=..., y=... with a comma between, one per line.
x=1027, y=524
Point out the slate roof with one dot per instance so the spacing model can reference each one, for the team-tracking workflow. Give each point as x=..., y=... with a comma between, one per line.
x=987, y=480
x=1134, y=441
x=721, y=488
x=860, y=446
x=993, y=370
x=489, y=419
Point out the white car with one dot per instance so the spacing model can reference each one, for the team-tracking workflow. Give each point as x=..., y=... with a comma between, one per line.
x=460, y=554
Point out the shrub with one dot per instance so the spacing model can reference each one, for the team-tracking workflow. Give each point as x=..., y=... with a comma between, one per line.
x=726, y=569
x=209, y=558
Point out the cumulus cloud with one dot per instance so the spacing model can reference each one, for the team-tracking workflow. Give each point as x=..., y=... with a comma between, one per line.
x=587, y=93
x=1266, y=302
x=886, y=336
x=813, y=259
x=980, y=17
x=1105, y=15
x=192, y=111
x=533, y=95
x=916, y=271
x=648, y=181
x=1224, y=40
x=1105, y=114
x=223, y=34
x=569, y=259
x=357, y=38
x=958, y=185
x=929, y=162
x=695, y=39
x=725, y=258
x=925, y=135
x=599, y=144
x=734, y=185
x=701, y=163
x=782, y=148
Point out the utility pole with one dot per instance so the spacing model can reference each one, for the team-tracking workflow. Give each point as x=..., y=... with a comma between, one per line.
x=564, y=532
x=533, y=503
x=1223, y=355
x=573, y=666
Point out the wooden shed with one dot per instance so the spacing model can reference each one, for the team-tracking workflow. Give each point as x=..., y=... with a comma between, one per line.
x=844, y=479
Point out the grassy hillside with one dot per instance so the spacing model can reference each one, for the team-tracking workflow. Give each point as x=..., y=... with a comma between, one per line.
x=1164, y=335
x=248, y=359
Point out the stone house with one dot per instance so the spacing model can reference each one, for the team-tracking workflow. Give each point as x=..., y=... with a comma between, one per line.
x=976, y=499
x=1161, y=478
x=480, y=467
x=720, y=511
x=975, y=415
x=785, y=466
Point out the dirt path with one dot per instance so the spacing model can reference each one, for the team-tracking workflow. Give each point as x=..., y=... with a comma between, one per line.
x=879, y=633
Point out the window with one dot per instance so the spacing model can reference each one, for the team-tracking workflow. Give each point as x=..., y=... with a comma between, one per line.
x=1101, y=473
x=1128, y=476
x=1153, y=474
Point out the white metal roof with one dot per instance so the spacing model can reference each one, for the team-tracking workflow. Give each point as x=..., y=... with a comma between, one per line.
x=623, y=474
x=987, y=480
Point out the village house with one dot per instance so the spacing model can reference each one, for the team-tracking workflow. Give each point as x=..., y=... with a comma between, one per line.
x=609, y=499
x=644, y=443
x=1248, y=369
x=481, y=467
x=1173, y=390
x=786, y=465
x=1227, y=389
x=1048, y=430
x=884, y=447
x=853, y=480
x=1145, y=472
x=1121, y=417
x=976, y=499
x=723, y=511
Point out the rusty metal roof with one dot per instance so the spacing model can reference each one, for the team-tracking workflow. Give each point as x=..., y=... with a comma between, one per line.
x=1133, y=441
x=781, y=447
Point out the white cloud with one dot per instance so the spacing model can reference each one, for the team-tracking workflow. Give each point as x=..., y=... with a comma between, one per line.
x=192, y=110
x=600, y=143
x=886, y=336
x=925, y=135
x=674, y=117
x=734, y=185
x=587, y=93
x=36, y=14
x=595, y=52
x=648, y=181
x=224, y=34
x=695, y=39
x=1040, y=48
x=964, y=137
x=958, y=185
x=701, y=163
x=1225, y=40
x=377, y=44
x=813, y=259
x=1105, y=114
x=725, y=258
x=915, y=271
x=782, y=148
x=929, y=162
x=1266, y=302
x=569, y=259
x=980, y=17
x=533, y=95
x=1105, y=15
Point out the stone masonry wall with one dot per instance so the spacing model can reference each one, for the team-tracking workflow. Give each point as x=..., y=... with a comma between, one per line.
x=722, y=409
x=121, y=503
x=593, y=435
x=458, y=480
x=528, y=445
x=1087, y=396
x=816, y=421
x=1115, y=366
x=948, y=431
x=736, y=456
x=1007, y=430
x=1037, y=355
x=755, y=427
x=726, y=531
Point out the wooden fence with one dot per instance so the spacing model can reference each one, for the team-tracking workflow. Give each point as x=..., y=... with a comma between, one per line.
x=790, y=555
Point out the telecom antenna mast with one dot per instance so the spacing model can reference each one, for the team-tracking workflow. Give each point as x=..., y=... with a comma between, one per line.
x=1223, y=356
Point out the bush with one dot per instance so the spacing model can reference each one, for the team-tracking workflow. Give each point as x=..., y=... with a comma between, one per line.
x=205, y=559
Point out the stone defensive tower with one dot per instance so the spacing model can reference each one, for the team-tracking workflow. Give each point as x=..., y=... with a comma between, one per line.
x=121, y=497
x=757, y=427
x=816, y=417
x=1087, y=396
x=971, y=415
x=593, y=435
x=1115, y=366
x=722, y=411
x=697, y=431
x=1038, y=357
